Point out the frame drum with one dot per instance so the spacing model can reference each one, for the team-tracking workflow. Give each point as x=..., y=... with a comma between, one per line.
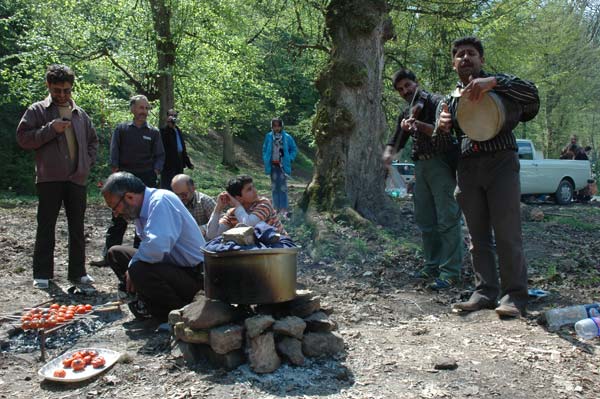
x=482, y=120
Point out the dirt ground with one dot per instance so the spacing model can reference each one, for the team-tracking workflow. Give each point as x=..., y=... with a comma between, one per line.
x=395, y=330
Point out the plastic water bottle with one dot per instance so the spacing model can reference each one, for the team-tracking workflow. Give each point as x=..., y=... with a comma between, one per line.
x=556, y=318
x=588, y=328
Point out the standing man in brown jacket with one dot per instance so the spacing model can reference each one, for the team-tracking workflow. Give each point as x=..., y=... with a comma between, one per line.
x=65, y=145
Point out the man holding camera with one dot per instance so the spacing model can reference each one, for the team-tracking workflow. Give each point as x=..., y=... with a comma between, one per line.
x=65, y=145
x=176, y=157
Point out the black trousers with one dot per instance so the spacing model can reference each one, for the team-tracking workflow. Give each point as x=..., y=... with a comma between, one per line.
x=162, y=286
x=51, y=197
x=167, y=175
x=118, y=225
x=489, y=194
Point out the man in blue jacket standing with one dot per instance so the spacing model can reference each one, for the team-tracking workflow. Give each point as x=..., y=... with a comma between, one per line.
x=279, y=150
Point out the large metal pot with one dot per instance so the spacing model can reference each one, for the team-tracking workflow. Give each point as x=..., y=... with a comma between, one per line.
x=251, y=277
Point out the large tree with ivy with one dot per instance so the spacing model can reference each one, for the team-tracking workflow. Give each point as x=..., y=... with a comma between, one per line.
x=349, y=124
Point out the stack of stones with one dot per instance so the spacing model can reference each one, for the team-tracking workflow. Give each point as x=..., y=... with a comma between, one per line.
x=264, y=335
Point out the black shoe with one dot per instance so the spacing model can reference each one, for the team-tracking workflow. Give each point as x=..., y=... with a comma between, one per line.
x=139, y=310
x=99, y=263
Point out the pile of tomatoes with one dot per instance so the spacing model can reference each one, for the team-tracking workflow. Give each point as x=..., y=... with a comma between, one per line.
x=51, y=317
x=79, y=360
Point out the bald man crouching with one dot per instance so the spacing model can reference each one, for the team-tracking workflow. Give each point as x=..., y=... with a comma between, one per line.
x=200, y=205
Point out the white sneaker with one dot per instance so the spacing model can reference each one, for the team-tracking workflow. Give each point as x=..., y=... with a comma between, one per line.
x=40, y=283
x=87, y=279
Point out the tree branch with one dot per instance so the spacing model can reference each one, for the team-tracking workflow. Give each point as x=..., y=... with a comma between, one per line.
x=136, y=83
x=310, y=46
x=395, y=59
x=254, y=37
x=299, y=20
x=94, y=55
x=207, y=42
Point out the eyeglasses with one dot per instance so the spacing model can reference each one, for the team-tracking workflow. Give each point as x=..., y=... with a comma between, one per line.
x=58, y=91
x=114, y=208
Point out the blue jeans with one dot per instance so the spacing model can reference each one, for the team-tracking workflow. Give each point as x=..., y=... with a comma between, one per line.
x=279, y=188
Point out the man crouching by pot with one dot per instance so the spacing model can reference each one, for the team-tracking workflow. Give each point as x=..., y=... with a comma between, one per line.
x=246, y=207
x=166, y=270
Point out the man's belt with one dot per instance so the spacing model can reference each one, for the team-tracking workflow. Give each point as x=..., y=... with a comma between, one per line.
x=424, y=157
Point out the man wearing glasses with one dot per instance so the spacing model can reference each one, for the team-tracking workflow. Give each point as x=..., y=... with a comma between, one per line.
x=166, y=271
x=65, y=145
x=135, y=147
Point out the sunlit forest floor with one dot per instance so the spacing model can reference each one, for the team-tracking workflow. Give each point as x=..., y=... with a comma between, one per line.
x=395, y=330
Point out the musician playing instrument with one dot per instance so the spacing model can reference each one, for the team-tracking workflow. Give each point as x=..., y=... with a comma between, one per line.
x=436, y=212
x=488, y=182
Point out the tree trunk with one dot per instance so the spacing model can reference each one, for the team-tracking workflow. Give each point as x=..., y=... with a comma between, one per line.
x=165, y=50
x=552, y=141
x=228, y=150
x=350, y=123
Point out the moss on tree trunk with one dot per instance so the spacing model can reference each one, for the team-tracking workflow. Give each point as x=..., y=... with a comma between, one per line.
x=349, y=126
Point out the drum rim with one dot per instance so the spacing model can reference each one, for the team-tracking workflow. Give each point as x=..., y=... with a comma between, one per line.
x=476, y=133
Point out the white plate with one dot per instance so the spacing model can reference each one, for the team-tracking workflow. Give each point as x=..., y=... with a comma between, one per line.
x=47, y=371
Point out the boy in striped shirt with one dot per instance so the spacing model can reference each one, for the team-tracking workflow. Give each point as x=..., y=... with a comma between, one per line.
x=245, y=207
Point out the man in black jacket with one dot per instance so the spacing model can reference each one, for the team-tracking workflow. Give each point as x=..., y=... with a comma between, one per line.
x=176, y=157
x=436, y=212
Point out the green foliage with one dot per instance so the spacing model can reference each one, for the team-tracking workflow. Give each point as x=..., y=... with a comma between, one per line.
x=573, y=222
x=231, y=65
x=552, y=43
x=241, y=63
x=551, y=271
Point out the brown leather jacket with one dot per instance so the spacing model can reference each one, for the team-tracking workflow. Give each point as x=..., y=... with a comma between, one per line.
x=51, y=150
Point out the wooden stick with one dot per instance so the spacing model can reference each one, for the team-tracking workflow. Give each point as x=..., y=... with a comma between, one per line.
x=10, y=317
x=108, y=309
x=18, y=313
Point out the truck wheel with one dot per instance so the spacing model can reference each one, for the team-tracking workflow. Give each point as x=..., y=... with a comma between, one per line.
x=564, y=192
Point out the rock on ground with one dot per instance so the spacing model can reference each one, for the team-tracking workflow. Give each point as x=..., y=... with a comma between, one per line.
x=262, y=355
x=207, y=313
x=317, y=344
x=291, y=348
x=291, y=326
x=224, y=339
x=257, y=324
x=320, y=322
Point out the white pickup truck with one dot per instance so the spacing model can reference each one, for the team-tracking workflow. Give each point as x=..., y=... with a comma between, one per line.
x=557, y=177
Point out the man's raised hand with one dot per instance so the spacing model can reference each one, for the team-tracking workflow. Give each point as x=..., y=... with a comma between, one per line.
x=476, y=88
x=445, y=119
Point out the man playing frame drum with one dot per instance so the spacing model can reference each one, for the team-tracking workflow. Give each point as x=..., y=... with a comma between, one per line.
x=488, y=180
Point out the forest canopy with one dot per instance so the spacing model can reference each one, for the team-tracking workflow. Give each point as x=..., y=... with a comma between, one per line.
x=238, y=63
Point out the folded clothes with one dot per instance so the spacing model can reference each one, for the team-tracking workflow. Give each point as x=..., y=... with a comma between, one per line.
x=266, y=237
